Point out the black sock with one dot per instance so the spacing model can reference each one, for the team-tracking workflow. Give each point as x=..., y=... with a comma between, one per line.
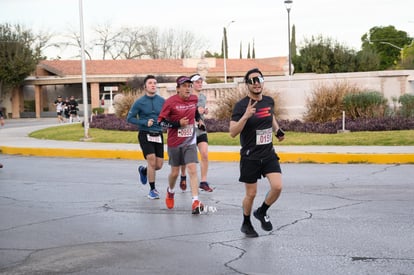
x=203, y=182
x=263, y=208
x=152, y=185
x=246, y=219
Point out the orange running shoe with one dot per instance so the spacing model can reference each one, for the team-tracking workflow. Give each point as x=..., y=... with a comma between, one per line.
x=197, y=207
x=169, y=200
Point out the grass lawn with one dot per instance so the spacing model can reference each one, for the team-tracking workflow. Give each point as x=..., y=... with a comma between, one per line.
x=75, y=132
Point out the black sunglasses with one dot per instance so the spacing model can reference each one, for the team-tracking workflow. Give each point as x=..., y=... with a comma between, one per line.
x=257, y=79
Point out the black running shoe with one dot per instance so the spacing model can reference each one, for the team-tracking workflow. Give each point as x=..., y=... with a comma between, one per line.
x=264, y=220
x=249, y=230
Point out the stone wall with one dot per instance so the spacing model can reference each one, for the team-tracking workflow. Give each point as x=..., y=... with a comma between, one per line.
x=294, y=90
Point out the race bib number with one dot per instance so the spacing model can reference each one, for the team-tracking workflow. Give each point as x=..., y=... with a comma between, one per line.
x=263, y=136
x=187, y=131
x=156, y=139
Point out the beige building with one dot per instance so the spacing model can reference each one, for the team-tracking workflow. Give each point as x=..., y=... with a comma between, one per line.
x=63, y=77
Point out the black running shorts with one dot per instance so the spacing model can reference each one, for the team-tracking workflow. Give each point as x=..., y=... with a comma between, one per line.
x=252, y=170
x=149, y=147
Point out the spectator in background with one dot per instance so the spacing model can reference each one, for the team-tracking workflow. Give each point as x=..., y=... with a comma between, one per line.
x=2, y=124
x=1, y=118
x=66, y=108
x=73, y=109
x=59, y=109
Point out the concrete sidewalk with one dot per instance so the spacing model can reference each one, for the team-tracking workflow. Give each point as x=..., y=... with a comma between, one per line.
x=14, y=140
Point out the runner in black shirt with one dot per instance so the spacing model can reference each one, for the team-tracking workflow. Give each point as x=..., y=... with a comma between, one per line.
x=253, y=118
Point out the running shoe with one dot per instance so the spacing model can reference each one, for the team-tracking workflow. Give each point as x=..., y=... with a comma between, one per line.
x=264, y=220
x=247, y=228
x=205, y=187
x=183, y=183
x=197, y=207
x=169, y=200
x=153, y=194
x=142, y=174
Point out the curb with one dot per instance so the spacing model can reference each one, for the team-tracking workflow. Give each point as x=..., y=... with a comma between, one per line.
x=285, y=157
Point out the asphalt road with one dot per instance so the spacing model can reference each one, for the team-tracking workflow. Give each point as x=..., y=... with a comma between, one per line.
x=91, y=216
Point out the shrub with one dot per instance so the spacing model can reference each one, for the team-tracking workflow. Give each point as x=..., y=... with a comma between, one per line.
x=407, y=105
x=326, y=101
x=112, y=122
x=123, y=104
x=354, y=125
x=217, y=125
x=98, y=110
x=226, y=104
x=365, y=105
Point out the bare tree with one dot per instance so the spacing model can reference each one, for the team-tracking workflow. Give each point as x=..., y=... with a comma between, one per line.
x=132, y=42
x=41, y=41
x=73, y=41
x=106, y=40
x=168, y=44
x=179, y=44
x=153, y=46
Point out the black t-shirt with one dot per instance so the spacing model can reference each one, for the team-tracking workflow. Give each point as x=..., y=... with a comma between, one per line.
x=73, y=106
x=256, y=138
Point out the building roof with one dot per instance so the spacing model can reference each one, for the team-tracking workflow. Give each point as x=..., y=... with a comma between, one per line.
x=168, y=67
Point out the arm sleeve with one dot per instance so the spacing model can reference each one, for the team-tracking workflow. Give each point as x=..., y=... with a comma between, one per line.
x=169, y=124
x=197, y=115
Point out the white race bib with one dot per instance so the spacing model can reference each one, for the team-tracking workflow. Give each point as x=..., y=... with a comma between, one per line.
x=263, y=136
x=187, y=131
x=156, y=139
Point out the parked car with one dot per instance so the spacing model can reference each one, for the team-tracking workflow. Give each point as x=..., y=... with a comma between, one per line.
x=106, y=99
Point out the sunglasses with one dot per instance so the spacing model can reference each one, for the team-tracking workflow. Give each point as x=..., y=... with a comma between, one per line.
x=257, y=79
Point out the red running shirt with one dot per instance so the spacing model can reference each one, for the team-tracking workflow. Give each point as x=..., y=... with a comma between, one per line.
x=174, y=109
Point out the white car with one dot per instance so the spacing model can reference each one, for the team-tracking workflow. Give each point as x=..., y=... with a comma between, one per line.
x=106, y=100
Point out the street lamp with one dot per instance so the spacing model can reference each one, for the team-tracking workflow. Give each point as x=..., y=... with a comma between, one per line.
x=288, y=4
x=84, y=84
x=225, y=50
x=392, y=45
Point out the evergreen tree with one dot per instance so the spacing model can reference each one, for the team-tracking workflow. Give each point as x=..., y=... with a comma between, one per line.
x=387, y=42
x=226, y=49
x=241, y=51
x=17, y=58
x=323, y=55
x=253, y=51
x=293, y=42
x=248, y=51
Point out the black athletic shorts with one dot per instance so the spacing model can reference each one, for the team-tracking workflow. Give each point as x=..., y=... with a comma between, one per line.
x=202, y=138
x=252, y=170
x=150, y=147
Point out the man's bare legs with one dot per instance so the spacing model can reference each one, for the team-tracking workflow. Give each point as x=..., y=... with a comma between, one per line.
x=203, y=148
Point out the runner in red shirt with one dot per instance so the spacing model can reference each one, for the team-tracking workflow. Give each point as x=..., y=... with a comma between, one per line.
x=179, y=114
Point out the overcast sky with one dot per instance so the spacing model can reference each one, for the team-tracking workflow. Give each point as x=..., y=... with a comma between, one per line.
x=264, y=21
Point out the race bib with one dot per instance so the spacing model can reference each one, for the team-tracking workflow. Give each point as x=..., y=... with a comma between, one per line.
x=156, y=139
x=187, y=131
x=263, y=136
